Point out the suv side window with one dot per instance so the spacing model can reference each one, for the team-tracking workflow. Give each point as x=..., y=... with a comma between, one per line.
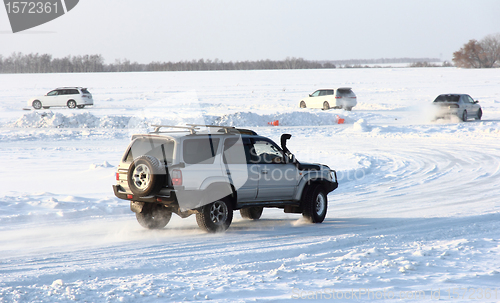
x=265, y=152
x=200, y=150
x=236, y=151
x=72, y=92
x=316, y=93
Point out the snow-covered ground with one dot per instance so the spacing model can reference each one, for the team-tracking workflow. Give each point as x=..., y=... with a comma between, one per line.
x=416, y=216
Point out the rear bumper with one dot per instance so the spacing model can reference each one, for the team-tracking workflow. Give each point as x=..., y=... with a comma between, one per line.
x=446, y=112
x=346, y=102
x=168, y=197
x=87, y=102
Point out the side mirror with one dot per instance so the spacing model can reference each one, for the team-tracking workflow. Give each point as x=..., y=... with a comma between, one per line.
x=310, y=95
x=477, y=101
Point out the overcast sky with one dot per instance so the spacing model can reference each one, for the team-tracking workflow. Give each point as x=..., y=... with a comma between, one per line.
x=233, y=30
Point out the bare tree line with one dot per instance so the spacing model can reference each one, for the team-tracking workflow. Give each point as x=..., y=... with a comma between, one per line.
x=45, y=63
x=479, y=54
x=35, y=63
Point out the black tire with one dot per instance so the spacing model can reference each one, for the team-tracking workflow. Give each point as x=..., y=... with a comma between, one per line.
x=37, y=104
x=71, y=104
x=252, y=213
x=479, y=114
x=464, y=116
x=146, y=176
x=81, y=106
x=46, y=107
x=216, y=216
x=349, y=108
x=326, y=105
x=303, y=104
x=315, y=204
x=154, y=216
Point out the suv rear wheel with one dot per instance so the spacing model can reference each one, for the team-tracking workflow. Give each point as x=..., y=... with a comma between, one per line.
x=216, y=216
x=315, y=204
x=154, y=217
x=252, y=213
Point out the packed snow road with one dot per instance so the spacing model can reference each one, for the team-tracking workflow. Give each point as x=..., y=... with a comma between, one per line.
x=415, y=218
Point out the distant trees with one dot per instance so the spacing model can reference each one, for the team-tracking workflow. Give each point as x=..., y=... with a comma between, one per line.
x=44, y=63
x=479, y=54
x=35, y=63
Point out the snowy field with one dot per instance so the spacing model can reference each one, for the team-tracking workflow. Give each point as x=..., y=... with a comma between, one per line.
x=416, y=216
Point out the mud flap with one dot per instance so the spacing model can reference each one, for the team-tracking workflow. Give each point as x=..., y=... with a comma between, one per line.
x=291, y=209
x=137, y=207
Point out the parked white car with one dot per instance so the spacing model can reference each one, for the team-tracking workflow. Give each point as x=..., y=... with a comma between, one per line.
x=342, y=97
x=72, y=97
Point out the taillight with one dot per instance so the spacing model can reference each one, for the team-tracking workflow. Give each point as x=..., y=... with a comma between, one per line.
x=85, y=96
x=117, y=177
x=176, y=176
x=337, y=97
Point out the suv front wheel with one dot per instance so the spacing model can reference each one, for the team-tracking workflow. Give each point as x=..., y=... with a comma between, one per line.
x=71, y=104
x=216, y=216
x=252, y=213
x=315, y=204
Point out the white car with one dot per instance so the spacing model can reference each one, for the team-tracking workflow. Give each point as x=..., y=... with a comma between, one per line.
x=460, y=105
x=342, y=97
x=71, y=97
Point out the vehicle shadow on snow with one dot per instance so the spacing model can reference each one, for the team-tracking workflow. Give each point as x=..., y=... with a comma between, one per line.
x=293, y=225
x=437, y=226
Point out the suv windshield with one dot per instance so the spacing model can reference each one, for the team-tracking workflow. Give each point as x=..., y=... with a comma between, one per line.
x=163, y=150
x=447, y=98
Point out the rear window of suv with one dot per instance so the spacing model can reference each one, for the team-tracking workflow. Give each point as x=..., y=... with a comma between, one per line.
x=160, y=149
x=85, y=91
x=200, y=150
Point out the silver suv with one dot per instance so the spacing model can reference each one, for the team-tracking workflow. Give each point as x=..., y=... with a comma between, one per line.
x=211, y=170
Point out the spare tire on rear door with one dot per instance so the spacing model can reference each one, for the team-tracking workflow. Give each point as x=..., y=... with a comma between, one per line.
x=146, y=176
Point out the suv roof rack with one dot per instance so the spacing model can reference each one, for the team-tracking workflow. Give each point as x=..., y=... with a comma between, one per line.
x=227, y=129
x=192, y=128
